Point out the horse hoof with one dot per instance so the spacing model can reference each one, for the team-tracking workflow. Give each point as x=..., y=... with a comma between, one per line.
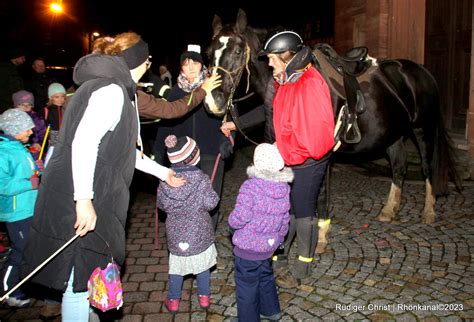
x=384, y=218
x=428, y=219
x=321, y=247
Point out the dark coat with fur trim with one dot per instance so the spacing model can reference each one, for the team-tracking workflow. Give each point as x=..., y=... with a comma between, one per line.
x=55, y=211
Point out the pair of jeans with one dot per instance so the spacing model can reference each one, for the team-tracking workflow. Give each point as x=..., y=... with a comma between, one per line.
x=255, y=289
x=175, y=283
x=75, y=306
x=306, y=186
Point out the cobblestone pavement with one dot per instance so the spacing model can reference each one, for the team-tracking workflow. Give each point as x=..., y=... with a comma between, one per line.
x=404, y=271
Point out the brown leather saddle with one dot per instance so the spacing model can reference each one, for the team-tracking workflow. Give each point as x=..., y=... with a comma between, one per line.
x=343, y=73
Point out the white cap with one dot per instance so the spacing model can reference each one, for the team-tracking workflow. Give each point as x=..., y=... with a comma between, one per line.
x=195, y=48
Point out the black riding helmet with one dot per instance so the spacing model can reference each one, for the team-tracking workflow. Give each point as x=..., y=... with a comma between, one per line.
x=281, y=42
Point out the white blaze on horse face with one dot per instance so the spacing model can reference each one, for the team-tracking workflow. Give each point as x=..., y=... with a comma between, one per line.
x=224, y=40
x=209, y=99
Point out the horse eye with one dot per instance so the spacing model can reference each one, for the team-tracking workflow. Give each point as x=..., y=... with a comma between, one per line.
x=238, y=51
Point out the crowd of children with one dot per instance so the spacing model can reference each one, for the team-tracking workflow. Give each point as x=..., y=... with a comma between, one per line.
x=22, y=141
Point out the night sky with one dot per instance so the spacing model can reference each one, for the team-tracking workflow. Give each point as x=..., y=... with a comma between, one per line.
x=27, y=23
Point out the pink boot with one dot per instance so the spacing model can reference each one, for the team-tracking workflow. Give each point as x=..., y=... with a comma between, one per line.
x=204, y=301
x=172, y=305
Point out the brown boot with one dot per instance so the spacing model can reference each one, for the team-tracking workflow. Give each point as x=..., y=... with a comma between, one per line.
x=287, y=280
x=50, y=311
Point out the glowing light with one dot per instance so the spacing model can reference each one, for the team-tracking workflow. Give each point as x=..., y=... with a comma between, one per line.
x=56, y=7
x=95, y=34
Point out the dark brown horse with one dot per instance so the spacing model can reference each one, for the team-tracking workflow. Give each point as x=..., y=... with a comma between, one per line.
x=401, y=102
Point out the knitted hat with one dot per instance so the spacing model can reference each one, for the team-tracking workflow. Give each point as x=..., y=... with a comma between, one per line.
x=56, y=88
x=267, y=157
x=14, y=121
x=22, y=97
x=183, y=151
x=193, y=52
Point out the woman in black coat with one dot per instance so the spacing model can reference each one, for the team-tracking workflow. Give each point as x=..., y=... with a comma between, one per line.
x=203, y=127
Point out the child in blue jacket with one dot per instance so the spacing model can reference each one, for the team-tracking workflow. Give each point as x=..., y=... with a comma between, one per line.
x=18, y=191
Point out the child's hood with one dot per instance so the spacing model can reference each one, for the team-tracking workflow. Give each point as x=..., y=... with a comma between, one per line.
x=193, y=180
x=272, y=184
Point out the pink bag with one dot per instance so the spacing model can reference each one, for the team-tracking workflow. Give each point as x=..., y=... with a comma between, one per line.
x=105, y=288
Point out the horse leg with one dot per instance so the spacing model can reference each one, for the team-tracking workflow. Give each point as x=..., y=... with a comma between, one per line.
x=324, y=219
x=425, y=149
x=429, y=213
x=398, y=161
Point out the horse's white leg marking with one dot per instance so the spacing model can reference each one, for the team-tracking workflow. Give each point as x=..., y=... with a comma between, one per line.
x=392, y=205
x=430, y=200
x=323, y=235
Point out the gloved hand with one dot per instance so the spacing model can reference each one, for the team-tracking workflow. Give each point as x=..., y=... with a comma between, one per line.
x=34, y=182
x=226, y=149
x=39, y=165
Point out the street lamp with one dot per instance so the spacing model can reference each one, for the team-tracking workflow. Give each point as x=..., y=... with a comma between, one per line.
x=56, y=7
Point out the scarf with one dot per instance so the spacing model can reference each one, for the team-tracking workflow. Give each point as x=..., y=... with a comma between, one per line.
x=188, y=86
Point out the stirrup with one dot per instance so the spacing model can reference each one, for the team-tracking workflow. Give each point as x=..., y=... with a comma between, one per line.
x=355, y=130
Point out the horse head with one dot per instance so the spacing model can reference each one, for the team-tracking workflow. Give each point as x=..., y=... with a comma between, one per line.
x=233, y=55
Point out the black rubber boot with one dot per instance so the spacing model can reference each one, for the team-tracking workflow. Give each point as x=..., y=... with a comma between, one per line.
x=280, y=259
x=307, y=237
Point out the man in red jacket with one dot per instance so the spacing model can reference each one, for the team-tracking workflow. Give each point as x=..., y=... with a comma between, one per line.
x=303, y=120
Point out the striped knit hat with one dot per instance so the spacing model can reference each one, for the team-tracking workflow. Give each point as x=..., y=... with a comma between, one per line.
x=183, y=151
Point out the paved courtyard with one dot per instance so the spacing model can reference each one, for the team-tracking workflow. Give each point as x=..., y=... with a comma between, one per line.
x=371, y=271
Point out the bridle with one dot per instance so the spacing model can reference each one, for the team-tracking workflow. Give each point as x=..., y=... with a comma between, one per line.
x=235, y=76
x=238, y=75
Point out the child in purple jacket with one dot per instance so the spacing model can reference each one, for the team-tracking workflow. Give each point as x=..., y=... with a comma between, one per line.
x=189, y=229
x=260, y=219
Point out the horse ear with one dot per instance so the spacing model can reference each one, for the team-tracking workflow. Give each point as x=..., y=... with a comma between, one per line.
x=216, y=25
x=241, y=23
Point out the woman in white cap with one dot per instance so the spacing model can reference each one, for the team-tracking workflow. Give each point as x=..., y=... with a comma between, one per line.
x=198, y=124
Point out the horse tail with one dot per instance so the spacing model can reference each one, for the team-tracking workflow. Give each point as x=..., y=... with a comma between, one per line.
x=444, y=162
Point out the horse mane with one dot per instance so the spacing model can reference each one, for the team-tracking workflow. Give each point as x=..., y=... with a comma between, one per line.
x=255, y=37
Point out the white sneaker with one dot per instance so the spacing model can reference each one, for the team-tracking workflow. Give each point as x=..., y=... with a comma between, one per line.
x=13, y=301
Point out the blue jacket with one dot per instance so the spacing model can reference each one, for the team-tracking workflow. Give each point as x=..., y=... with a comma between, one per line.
x=17, y=198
